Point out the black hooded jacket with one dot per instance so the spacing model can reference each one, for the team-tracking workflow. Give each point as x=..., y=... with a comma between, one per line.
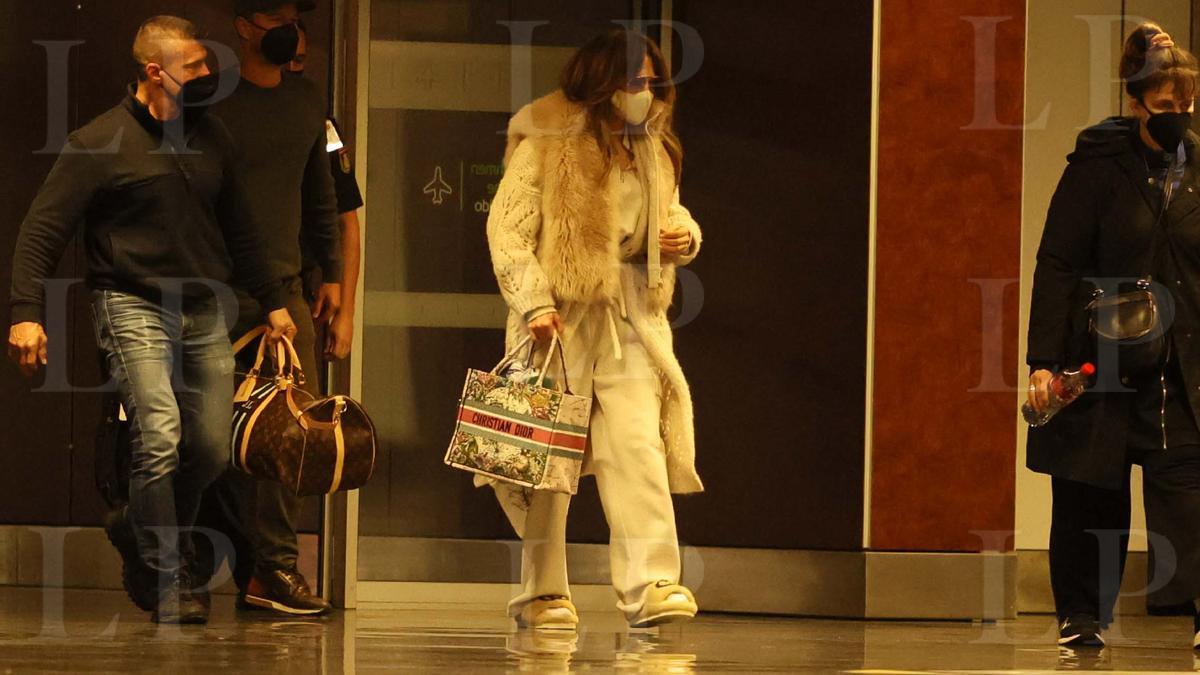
x=1100, y=225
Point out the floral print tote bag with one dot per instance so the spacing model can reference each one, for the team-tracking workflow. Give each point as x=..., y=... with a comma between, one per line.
x=521, y=431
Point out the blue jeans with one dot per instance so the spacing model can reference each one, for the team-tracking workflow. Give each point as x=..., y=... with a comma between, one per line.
x=174, y=372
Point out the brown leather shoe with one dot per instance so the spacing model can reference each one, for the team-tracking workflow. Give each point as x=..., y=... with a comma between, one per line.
x=284, y=591
x=194, y=590
x=176, y=605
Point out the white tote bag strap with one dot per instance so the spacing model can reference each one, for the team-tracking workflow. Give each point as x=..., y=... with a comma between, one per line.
x=556, y=347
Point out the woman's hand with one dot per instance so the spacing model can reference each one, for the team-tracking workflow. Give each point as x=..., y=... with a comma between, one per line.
x=675, y=241
x=546, y=326
x=1039, y=390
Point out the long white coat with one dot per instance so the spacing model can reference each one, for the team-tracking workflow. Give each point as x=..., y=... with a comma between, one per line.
x=554, y=241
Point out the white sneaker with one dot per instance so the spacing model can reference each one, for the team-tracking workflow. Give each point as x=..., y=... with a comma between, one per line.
x=666, y=602
x=549, y=613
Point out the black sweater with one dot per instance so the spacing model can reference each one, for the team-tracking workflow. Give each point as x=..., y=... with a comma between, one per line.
x=280, y=132
x=148, y=212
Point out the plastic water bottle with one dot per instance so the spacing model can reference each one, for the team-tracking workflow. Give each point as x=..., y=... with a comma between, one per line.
x=530, y=375
x=1064, y=388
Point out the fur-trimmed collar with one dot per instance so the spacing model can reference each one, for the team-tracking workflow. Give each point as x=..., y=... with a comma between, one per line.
x=555, y=114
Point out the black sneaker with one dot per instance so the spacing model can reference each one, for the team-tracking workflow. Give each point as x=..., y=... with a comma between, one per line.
x=1080, y=630
x=139, y=581
x=284, y=591
x=176, y=605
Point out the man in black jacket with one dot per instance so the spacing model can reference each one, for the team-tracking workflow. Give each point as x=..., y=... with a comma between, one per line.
x=223, y=510
x=152, y=181
x=279, y=126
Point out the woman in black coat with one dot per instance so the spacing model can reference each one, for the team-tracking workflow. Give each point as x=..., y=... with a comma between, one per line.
x=1099, y=230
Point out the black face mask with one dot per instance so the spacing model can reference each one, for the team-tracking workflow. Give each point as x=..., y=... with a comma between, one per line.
x=200, y=91
x=1169, y=129
x=279, y=44
x=196, y=95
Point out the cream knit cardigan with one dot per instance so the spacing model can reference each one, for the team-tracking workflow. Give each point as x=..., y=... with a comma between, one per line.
x=554, y=241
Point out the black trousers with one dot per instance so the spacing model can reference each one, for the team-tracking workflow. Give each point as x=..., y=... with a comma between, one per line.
x=1089, y=536
x=259, y=517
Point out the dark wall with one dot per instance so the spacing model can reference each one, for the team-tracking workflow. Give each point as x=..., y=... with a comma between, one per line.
x=47, y=453
x=776, y=126
x=35, y=441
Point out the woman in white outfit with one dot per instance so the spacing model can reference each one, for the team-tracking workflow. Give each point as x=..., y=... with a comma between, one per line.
x=585, y=232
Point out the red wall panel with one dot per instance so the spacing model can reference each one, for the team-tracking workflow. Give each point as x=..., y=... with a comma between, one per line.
x=949, y=212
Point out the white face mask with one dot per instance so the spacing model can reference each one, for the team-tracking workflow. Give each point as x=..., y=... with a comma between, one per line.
x=635, y=108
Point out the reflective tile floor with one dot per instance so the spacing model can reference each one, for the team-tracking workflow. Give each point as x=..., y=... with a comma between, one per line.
x=98, y=631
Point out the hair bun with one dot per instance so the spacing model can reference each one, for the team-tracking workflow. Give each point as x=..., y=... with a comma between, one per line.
x=1149, y=61
x=1164, y=44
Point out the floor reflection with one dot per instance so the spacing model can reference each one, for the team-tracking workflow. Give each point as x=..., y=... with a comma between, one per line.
x=543, y=652
x=1084, y=659
x=97, y=631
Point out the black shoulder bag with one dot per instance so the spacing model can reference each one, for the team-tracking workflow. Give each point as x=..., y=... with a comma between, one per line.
x=1132, y=322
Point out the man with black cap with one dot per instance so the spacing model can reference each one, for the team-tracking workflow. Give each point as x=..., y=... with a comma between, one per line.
x=279, y=125
x=165, y=227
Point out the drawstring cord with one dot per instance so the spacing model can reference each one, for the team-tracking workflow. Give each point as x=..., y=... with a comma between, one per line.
x=613, y=334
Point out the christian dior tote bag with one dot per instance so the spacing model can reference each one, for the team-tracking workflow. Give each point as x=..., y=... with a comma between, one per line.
x=521, y=432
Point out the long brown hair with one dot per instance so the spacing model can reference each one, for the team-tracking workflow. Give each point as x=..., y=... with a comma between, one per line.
x=605, y=65
x=1145, y=68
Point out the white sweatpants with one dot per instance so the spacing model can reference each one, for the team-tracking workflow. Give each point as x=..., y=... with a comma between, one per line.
x=628, y=459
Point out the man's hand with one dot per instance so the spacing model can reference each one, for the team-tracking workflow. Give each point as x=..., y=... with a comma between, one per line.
x=281, y=325
x=27, y=346
x=675, y=241
x=341, y=336
x=546, y=326
x=329, y=301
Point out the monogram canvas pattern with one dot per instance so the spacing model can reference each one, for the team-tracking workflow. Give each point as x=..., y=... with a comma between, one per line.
x=335, y=452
